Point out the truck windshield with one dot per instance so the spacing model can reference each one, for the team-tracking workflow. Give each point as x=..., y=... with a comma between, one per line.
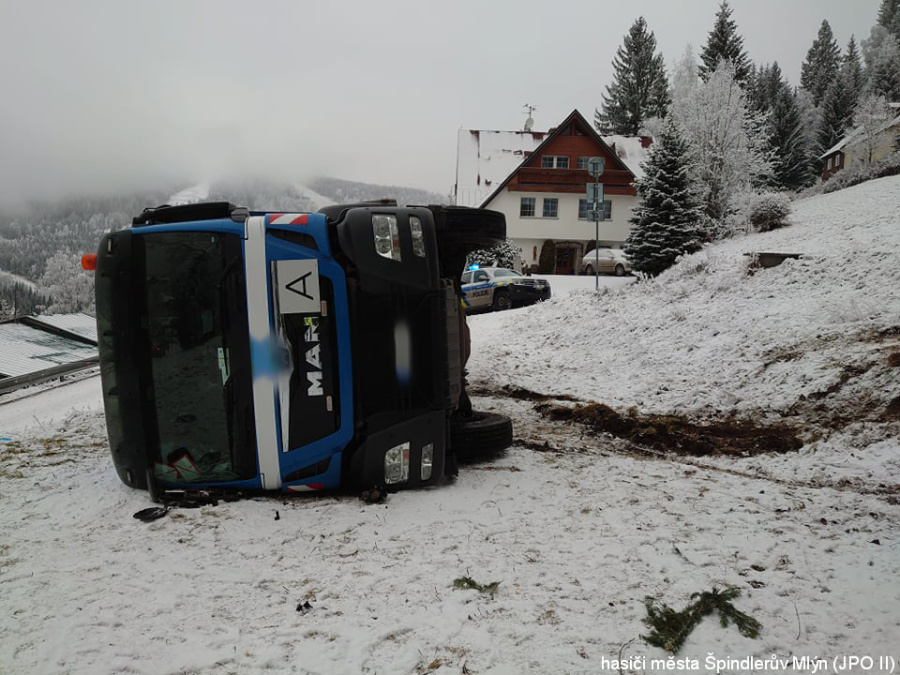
x=199, y=355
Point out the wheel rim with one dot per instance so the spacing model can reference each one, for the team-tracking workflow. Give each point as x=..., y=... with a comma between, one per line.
x=620, y=271
x=503, y=302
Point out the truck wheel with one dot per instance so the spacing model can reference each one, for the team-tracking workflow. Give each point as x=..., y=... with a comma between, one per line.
x=501, y=301
x=480, y=437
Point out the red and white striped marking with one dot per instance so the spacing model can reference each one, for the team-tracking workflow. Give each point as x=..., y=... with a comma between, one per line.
x=312, y=487
x=287, y=218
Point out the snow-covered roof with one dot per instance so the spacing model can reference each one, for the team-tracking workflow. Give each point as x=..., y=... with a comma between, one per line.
x=856, y=136
x=26, y=349
x=79, y=324
x=632, y=150
x=485, y=158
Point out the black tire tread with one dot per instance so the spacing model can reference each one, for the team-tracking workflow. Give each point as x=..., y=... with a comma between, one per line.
x=481, y=438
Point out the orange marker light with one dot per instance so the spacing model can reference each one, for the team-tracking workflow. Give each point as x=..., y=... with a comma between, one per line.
x=89, y=262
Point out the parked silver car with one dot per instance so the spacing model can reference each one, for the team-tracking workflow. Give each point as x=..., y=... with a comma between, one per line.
x=606, y=261
x=498, y=288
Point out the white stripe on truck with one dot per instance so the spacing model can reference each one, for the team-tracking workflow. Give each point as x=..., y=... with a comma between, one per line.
x=264, y=383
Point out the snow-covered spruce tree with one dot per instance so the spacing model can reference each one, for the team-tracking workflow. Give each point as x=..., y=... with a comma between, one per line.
x=667, y=221
x=821, y=65
x=728, y=146
x=505, y=254
x=882, y=56
x=889, y=16
x=724, y=44
x=639, y=90
x=837, y=112
x=773, y=99
x=851, y=69
x=790, y=163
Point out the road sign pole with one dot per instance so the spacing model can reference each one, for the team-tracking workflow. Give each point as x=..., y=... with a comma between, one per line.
x=595, y=197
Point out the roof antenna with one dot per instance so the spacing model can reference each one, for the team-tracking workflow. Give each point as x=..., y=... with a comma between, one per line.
x=529, y=123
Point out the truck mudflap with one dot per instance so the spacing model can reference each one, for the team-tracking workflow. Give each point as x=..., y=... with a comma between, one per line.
x=407, y=455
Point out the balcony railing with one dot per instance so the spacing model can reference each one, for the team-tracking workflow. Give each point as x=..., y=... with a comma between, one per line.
x=538, y=176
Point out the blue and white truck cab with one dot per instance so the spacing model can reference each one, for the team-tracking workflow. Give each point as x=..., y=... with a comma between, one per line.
x=292, y=351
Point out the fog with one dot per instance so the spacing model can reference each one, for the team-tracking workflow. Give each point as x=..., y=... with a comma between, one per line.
x=111, y=96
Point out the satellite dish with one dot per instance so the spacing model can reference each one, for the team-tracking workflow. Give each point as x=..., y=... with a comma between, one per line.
x=529, y=123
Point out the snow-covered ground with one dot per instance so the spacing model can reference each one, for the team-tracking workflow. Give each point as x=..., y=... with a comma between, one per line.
x=577, y=528
x=190, y=195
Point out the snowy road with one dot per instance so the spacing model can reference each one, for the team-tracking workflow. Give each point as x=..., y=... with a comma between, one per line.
x=42, y=409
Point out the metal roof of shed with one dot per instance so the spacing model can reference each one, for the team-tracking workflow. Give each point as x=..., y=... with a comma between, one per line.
x=25, y=349
x=79, y=324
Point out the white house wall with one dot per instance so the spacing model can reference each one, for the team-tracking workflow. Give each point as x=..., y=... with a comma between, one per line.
x=529, y=233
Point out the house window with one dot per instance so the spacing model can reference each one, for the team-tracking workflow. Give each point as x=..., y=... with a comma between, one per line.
x=583, y=163
x=584, y=212
x=526, y=207
x=554, y=162
x=551, y=208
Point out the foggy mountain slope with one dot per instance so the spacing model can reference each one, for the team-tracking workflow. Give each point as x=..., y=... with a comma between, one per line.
x=345, y=191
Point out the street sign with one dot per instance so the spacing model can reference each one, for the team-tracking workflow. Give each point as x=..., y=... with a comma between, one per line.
x=596, y=166
x=594, y=192
x=600, y=210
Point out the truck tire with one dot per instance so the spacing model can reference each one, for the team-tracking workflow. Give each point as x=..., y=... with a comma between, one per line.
x=481, y=437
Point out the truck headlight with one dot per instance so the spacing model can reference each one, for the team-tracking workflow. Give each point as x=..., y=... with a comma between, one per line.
x=396, y=464
x=387, y=236
x=418, y=239
x=427, y=461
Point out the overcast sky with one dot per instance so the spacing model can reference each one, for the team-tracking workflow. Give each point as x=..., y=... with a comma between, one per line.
x=101, y=96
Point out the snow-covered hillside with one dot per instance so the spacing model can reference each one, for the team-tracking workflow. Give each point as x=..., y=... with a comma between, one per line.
x=577, y=527
x=814, y=341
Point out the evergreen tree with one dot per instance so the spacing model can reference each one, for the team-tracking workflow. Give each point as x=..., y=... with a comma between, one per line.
x=851, y=69
x=640, y=89
x=774, y=99
x=841, y=99
x=837, y=114
x=882, y=55
x=821, y=65
x=889, y=16
x=724, y=44
x=667, y=220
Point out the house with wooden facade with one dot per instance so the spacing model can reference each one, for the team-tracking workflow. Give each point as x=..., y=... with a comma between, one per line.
x=544, y=195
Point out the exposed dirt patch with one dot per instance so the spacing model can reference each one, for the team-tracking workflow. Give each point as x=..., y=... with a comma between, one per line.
x=520, y=394
x=847, y=374
x=893, y=360
x=669, y=433
x=892, y=412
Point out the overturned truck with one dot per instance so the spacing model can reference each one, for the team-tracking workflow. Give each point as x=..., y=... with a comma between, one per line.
x=293, y=351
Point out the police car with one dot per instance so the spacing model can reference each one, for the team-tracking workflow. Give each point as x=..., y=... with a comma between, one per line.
x=498, y=288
